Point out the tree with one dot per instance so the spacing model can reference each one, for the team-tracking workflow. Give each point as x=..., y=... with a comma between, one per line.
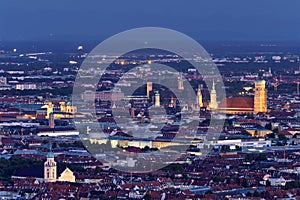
x=268, y=126
x=271, y=135
x=146, y=148
x=228, y=180
x=282, y=137
x=244, y=183
x=147, y=197
x=209, y=192
x=256, y=194
x=54, y=145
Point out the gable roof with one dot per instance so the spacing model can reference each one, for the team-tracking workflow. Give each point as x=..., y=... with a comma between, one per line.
x=238, y=102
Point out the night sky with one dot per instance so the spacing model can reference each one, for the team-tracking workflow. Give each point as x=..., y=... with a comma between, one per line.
x=211, y=20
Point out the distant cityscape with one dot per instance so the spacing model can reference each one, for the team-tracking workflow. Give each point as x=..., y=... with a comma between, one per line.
x=51, y=146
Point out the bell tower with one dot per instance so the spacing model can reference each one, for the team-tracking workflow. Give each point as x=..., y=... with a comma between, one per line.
x=260, y=97
x=199, y=97
x=213, y=98
x=50, y=168
x=180, y=82
x=149, y=88
x=157, y=99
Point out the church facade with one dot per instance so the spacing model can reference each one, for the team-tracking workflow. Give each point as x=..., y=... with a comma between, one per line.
x=47, y=173
x=247, y=105
x=239, y=105
x=50, y=171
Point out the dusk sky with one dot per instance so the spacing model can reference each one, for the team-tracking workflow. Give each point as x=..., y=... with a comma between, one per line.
x=201, y=19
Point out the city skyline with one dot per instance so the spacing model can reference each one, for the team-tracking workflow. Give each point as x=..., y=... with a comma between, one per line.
x=116, y=99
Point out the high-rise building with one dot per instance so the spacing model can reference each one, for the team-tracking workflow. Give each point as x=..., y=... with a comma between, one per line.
x=260, y=97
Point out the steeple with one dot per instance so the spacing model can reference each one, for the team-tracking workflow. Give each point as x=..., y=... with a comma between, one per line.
x=213, y=97
x=50, y=168
x=172, y=103
x=51, y=120
x=199, y=97
x=157, y=99
x=180, y=82
x=149, y=88
x=50, y=153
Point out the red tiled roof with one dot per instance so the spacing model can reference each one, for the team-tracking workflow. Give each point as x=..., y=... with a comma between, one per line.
x=285, y=133
x=238, y=102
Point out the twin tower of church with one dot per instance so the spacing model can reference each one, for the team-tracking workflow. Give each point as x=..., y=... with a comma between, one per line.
x=236, y=105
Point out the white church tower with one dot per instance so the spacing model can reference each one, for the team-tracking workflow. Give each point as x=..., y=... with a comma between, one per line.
x=50, y=168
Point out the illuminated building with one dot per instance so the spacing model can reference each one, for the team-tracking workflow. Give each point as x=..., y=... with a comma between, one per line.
x=157, y=99
x=49, y=107
x=149, y=88
x=199, y=97
x=50, y=168
x=180, y=82
x=63, y=111
x=213, y=98
x=51, y=121
x=247, y=105
x=67, y=176
x=260, y=97
x=172, y=103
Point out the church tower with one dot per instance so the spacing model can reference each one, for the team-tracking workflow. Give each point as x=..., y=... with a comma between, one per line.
x=180, y=82
x=172, y=103
x=62, y=106
x=157, y=99
x=149, y=88
x=49, y=109
x=199, y=97
x=260, y=97
x=50, y=168
x=51, y=120
x=213, y=98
